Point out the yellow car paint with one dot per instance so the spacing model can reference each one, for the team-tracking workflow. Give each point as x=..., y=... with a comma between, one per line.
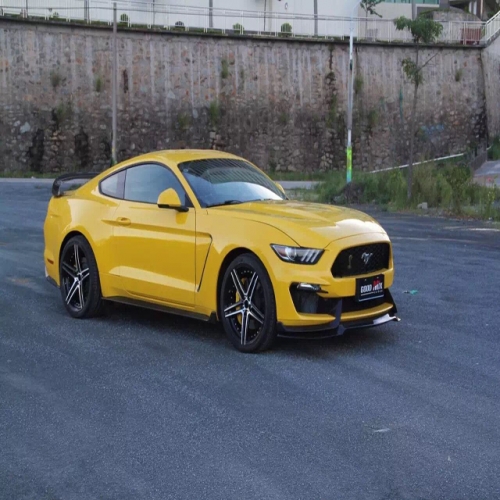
x=174, y=259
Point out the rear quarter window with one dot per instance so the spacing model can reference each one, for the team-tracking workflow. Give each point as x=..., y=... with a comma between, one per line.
x=114, y=185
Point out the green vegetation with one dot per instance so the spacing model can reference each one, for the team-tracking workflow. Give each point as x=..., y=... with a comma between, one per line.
x=283, y=118
x=214, y=113
x=98, y=84
x=358, y=84
x=369, y=7
x=55, y=79
x=62, y=112
x=124, y=20
x=238, y=29
x=448, y=187
x=183, y=121
x=225, y=69
x=286, y=29
x=423, y=31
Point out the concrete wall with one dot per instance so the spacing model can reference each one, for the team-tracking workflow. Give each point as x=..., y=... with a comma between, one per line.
x=491, y=68
x=388, y=10
x=280, y=103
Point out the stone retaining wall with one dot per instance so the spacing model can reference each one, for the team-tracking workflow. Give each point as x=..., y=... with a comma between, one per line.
x=280, y=103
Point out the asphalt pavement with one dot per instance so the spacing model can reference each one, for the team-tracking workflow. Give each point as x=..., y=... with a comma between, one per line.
x=144, y=405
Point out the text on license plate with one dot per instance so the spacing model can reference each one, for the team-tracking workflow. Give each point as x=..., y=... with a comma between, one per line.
x=370, y=288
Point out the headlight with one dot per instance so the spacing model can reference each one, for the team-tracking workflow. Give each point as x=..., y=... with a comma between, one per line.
x=297, y=255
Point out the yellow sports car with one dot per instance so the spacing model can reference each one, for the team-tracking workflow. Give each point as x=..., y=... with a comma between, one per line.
x=209, y=235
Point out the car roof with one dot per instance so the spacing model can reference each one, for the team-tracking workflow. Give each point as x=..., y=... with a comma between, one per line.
x=181, y=155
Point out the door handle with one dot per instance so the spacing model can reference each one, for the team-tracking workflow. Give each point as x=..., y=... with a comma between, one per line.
x=123, y=221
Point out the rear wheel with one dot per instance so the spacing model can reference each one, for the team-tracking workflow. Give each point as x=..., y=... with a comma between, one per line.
x=247, y=305
x=80, y=286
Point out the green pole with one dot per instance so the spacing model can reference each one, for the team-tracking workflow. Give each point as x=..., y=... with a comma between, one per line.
x=349, y=164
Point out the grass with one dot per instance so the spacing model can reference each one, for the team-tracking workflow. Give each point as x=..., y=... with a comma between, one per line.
x=448, y=188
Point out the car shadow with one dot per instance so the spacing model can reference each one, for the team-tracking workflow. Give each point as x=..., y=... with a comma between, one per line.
x=370, y=339
x=162, y=321
x=362, y=340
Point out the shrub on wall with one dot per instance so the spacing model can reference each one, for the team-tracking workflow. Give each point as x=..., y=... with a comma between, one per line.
x=55, y=79
x=286, y=29
x=225, y=69
x=238, y=29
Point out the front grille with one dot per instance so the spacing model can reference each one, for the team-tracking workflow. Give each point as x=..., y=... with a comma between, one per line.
x=351, y=261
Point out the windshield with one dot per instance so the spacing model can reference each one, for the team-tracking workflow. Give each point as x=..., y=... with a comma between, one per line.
x=218, y=182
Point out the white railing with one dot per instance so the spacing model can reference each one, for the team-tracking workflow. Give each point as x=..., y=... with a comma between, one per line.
x=179, y=17
x=491, y=27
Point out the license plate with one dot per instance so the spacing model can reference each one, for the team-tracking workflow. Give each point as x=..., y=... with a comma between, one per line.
x=370, y=288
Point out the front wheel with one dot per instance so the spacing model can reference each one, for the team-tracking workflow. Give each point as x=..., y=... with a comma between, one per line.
x=247, y=307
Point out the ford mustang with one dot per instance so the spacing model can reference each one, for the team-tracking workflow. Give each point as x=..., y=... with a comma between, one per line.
x=207, y=234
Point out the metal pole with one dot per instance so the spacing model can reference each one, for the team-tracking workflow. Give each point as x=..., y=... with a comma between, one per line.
x=316, y=17
x=115, y=87
x=265, y=9
x=350, y=98
x=413, y=9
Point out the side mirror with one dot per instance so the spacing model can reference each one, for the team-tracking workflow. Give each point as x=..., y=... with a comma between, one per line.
x=170, y=199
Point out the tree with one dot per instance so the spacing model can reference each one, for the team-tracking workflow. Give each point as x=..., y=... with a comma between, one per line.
x=423, y=30
x=369, y=7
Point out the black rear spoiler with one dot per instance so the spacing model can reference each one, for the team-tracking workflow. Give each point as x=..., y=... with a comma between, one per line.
x=56, y=187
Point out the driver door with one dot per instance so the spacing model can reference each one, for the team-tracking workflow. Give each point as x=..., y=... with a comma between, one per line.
x=155, y=247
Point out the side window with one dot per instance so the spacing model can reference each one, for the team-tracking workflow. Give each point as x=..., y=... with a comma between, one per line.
x=144, y=183
x=114, y=185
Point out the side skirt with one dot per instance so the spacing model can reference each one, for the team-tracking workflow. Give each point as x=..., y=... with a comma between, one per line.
x=166, y=309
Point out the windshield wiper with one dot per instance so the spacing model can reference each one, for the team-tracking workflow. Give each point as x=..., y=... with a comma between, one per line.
x=227, y=202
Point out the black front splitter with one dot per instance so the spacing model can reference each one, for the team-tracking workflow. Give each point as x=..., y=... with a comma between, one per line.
x=335, y=328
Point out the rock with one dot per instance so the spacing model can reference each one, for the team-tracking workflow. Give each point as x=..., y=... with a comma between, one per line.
x=25, y=128
x=423, y=206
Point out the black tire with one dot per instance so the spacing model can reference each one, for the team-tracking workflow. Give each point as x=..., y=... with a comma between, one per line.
x=79, y=279
x=251, y=303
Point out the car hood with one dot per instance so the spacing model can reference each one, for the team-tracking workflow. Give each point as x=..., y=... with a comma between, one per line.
x=309, y=224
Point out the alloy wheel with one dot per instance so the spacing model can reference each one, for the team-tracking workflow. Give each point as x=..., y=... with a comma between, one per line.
x=75, y=280
x=244, y=304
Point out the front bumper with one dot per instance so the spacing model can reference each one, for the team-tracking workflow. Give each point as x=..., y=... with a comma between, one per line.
x=337, y=327
x=50, y=279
